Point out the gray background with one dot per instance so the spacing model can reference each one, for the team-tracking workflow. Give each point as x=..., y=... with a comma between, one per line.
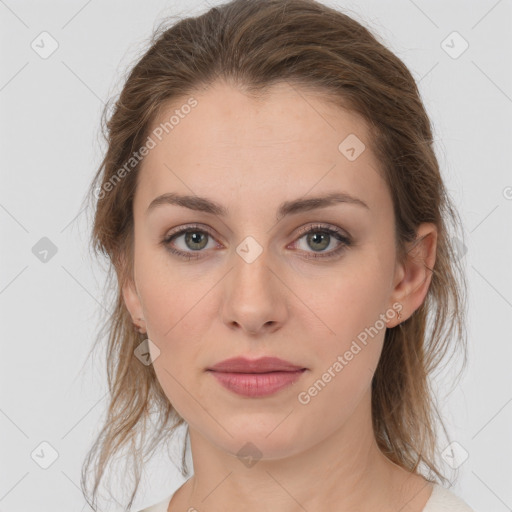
x=50, y=113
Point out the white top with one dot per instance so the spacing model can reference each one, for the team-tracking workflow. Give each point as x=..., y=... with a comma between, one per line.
x=441, y=500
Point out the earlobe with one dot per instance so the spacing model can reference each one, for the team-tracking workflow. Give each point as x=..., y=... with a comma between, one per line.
x=416, y=272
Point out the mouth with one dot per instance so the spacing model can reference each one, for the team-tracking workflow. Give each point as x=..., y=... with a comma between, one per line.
x=261, y=365
x=256, y=378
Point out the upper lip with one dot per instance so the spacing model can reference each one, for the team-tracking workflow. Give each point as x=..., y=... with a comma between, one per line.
x=260, y=365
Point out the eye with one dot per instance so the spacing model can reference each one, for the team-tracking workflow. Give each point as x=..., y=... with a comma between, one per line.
x=318, y=237
x=194, y=238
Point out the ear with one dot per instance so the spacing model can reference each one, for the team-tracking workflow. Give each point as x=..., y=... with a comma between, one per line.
x=413, y=277
x=133, y=303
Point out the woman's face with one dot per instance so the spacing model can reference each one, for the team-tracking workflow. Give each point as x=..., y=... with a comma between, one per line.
x=251, y=283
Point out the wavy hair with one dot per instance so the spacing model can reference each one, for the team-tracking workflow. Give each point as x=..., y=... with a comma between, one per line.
x=253, y=44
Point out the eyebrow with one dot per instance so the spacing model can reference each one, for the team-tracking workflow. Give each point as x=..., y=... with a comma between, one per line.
x=203, y=204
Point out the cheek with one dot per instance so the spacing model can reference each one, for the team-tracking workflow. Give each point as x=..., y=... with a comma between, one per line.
x=176, y=314
x=348, y=340
x=171, y=298
x=351, y=301
x=175, y=330
x=347, y=354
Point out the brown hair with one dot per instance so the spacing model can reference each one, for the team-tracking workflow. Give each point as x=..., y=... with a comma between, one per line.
x=253, y=44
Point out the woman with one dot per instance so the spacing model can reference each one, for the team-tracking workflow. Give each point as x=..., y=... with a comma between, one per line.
x=274, y=212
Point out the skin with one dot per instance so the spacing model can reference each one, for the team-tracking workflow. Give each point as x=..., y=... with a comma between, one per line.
x=251, y=155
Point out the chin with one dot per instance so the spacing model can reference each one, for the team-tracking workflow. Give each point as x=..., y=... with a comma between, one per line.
x=264, y=437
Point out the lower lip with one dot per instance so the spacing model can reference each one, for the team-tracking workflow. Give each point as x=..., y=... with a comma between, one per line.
x=256, y=384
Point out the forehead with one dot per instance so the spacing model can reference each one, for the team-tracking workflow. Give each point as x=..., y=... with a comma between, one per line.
x=289, y=140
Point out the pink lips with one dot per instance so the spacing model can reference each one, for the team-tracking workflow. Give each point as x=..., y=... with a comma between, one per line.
x=258, y=377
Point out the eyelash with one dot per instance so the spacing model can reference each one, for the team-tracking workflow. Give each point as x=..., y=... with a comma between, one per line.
x=336, y=233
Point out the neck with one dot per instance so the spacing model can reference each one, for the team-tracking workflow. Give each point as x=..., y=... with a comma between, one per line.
x=345, y=471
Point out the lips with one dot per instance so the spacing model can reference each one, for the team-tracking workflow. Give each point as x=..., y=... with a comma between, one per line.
x=256, y=378
x=261, y=365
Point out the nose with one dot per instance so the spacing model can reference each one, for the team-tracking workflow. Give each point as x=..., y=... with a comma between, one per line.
x=254, y=298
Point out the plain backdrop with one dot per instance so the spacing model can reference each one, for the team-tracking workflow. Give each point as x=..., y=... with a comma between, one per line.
x=51, y=397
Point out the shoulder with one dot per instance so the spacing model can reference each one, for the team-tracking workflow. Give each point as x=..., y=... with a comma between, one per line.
x=444, y=500
x=161, y=506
